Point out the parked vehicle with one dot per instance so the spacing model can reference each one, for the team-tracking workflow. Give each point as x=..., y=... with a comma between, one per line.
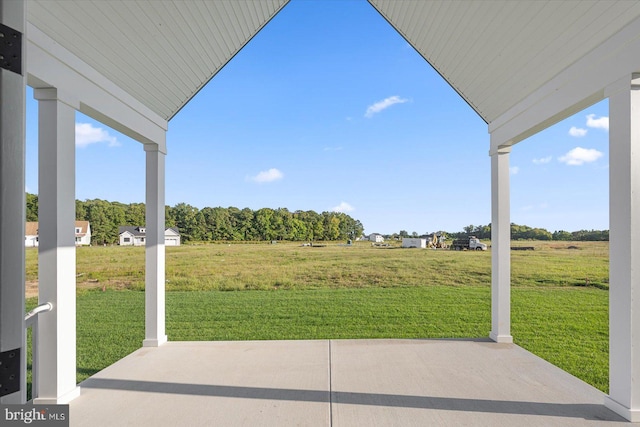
x=472, y=243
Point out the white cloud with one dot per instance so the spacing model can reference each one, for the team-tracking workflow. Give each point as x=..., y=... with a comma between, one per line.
x=577, y=132
x=513, y=170
x=579, y=156
x=86, y=135
x=384, y=104
x=598, y=123
x=270, y=175
x=343, y=207
x=542, y=160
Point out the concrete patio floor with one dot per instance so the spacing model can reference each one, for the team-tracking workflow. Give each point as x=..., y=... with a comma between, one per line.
x=338, y=383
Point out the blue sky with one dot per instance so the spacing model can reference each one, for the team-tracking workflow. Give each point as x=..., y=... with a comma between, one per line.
x=328, y=108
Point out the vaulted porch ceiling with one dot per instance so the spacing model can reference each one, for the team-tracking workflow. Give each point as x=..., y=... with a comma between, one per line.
x=495, y=54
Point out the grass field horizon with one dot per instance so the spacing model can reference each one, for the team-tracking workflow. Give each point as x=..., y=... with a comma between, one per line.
x=287, y=291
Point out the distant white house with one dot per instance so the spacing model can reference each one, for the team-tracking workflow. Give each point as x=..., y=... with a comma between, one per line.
x=82, y=234
x=171, y=237
x=411, y=242
x=375, y=237
x=31, y=235
x=137, y=236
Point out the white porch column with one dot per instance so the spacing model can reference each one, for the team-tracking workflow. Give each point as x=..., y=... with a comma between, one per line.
x=500, y=247
x=12, y=211
x=154, y=267
x=624, y=251
x=57, y=251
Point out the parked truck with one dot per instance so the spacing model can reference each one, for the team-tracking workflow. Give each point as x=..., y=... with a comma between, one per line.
x=472, y=243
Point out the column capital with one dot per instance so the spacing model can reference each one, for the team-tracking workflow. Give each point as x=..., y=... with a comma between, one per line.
x=152, y=148
x=53, y=94
x=500, y=150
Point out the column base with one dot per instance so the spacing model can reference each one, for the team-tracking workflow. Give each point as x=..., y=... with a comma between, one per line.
x=632, y=415
x=153, y=342
x=62, y=400
x=505, y=339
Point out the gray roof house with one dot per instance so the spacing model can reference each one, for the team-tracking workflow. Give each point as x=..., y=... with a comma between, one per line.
x=136, y=236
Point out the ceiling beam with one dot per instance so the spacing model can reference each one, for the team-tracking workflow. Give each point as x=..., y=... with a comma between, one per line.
x=51, y=65
x=577, y=87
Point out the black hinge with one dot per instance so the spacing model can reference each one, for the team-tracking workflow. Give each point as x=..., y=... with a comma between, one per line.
x=10, y=49
x=9, y=372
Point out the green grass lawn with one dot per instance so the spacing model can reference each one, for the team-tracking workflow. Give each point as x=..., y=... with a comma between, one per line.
x=559, y=298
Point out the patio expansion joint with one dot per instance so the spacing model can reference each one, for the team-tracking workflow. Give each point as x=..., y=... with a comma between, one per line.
x=330, y=388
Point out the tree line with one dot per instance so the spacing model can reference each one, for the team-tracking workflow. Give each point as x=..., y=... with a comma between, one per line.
x=518, y=232
x=209, y=224
x=523, y=232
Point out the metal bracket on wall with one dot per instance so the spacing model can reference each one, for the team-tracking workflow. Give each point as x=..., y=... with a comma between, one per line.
x=10, y=49
x=9, y=372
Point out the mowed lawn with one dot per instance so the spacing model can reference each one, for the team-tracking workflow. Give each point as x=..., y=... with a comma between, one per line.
x=286, y=291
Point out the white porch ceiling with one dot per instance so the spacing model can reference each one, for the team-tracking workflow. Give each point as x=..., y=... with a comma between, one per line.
x=159, y=51
x=494, y=53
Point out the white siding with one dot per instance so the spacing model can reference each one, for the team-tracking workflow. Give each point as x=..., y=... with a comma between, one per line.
x=126, y=239
x=31, y=241
x=376, y=238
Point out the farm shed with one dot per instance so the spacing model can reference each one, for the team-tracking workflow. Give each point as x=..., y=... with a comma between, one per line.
x=411, y=242
x=522, y=66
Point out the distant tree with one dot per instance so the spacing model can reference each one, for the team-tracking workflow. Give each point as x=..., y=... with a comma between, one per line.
x=298, y=230
x=318, y=229
x=32, y=207
x=98, y=213
x=403, y=233
x=217, y=222
x=281, y=217
x=590, y=235
x=539, y=234
x=331, y=226
x=189, y=221
x=263, y=224
x=81, y=211
x=243, y=221
x=169, y=219
x=561, y=235
x=135, y=214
